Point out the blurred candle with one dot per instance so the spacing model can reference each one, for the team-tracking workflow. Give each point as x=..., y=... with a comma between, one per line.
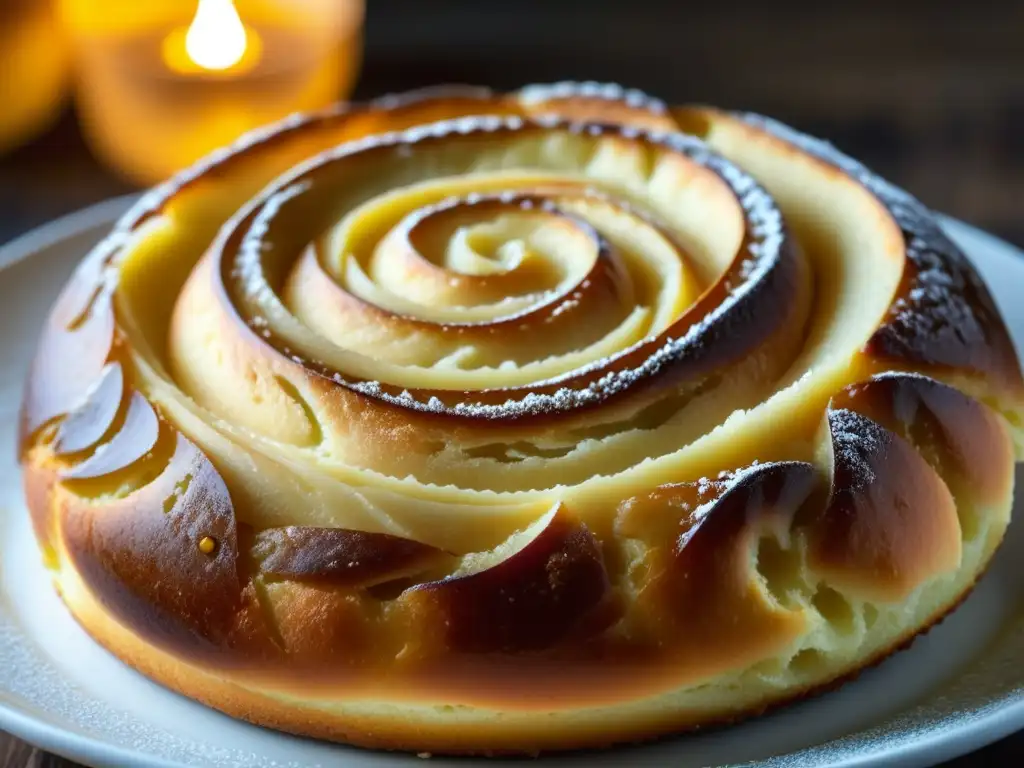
x=163, y=82
x=33, y=69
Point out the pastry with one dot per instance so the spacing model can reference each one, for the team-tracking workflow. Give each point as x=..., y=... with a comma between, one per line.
x=468, y=422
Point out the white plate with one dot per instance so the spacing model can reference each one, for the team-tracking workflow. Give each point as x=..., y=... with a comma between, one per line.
x=958, y=688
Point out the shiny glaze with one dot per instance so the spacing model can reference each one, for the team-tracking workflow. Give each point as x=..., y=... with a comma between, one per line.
x=890, y=522
x=339, y=558
x=531, y=600
x=965, y=442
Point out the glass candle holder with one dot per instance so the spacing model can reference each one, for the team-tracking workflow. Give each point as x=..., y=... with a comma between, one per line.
x=34, y=64
x=162, y=83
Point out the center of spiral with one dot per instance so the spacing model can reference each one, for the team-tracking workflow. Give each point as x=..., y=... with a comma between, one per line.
x=486, y=250
x=508, y=268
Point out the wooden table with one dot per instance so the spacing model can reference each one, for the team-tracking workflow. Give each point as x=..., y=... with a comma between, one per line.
x=935, y=102
x=18, y=754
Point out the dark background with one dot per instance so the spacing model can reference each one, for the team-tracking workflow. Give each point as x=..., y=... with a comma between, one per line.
x=930, y=95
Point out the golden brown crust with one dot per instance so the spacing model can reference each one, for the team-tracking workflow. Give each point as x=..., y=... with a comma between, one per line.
x=942, y=317
x=75, y=346
x=890, y=523
x=529, y=737
x=964, y=442
x=530, y=600
x=340, y=558
x=704, y=569
x=624, y=430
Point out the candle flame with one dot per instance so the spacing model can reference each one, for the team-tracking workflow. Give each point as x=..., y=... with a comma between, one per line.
x=216, y=38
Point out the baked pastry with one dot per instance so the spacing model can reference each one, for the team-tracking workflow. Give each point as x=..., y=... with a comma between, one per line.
x=465, y=422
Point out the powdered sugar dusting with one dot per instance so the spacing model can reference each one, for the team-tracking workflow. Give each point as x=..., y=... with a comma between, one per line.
x=766, y=236
x=248, y=267
x=857, y=442
x=710, y=493
x=944, y=317
x=538, y=94
x=910, y=214
x=947, y=315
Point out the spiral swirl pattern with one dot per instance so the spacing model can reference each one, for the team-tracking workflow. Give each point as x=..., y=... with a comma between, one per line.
x=411, y=401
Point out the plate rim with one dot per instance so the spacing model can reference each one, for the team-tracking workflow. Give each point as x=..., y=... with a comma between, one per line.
x=941, y=741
